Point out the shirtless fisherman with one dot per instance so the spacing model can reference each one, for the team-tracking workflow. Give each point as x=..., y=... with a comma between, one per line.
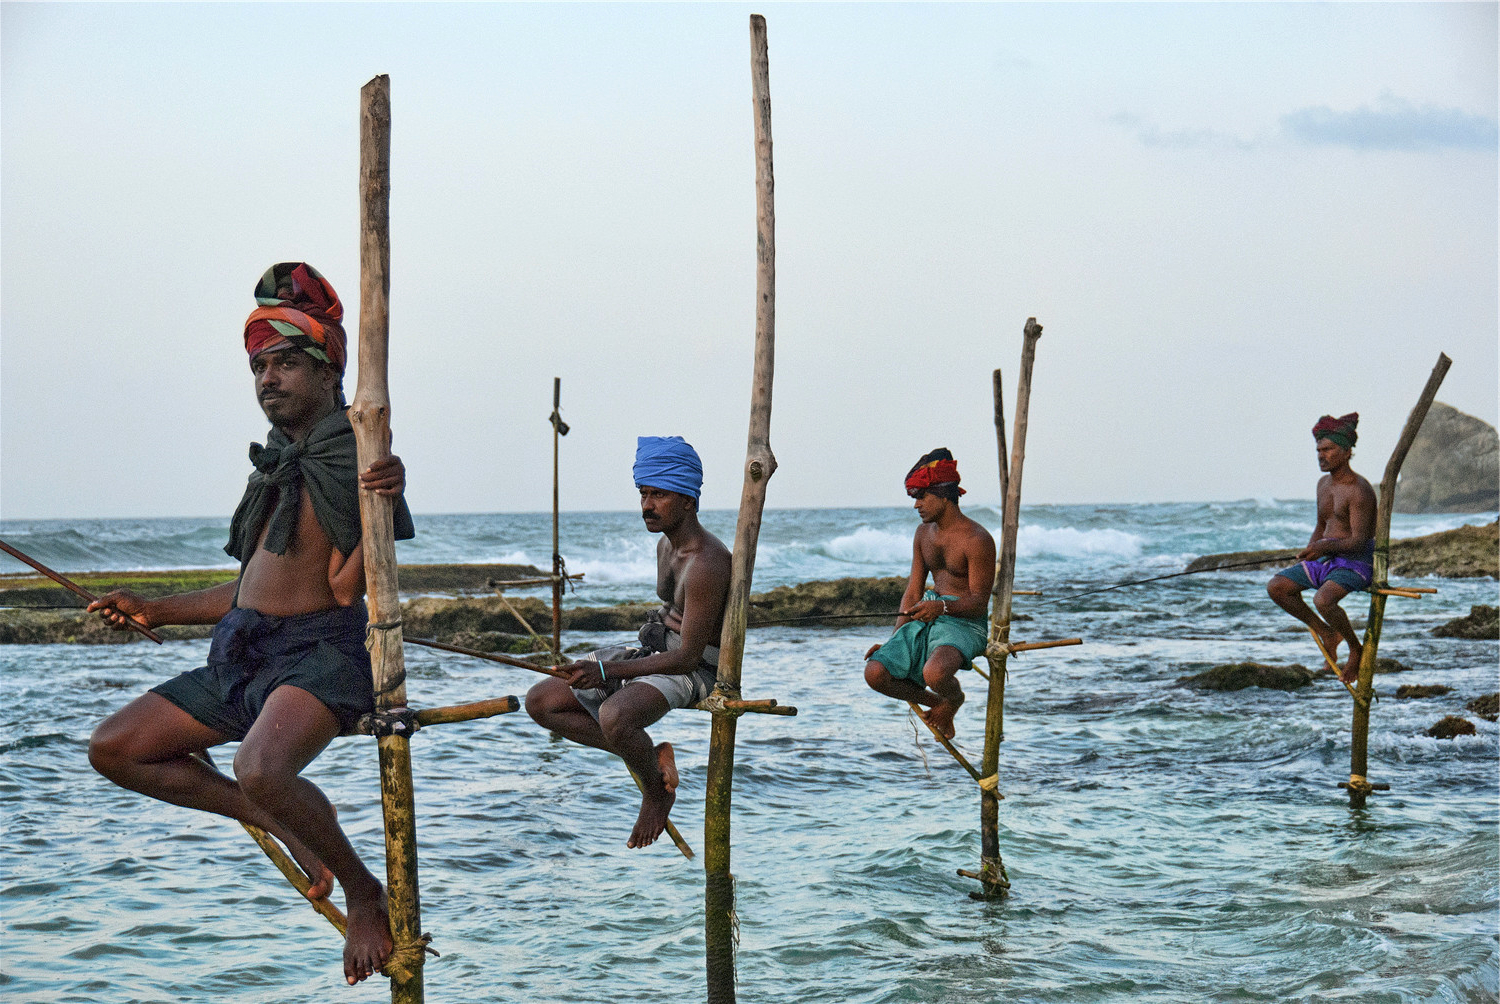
x=609, y=698
x=1338, y=558
x=287, y=668
x=940, y=631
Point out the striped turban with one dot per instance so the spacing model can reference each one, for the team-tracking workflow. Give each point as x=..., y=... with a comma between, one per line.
x=297, y=306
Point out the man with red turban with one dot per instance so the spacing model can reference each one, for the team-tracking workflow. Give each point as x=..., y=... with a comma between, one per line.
x=287, y=668
x=1338, y=558
x=942, y=629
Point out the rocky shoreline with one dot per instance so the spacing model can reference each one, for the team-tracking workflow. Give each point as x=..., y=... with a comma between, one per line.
x=1467, y=552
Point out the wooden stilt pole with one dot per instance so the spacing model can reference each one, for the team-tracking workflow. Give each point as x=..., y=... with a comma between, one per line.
x=760, y=464
x=994, y=880
x=559, y=429
x=370, y=416
x=1359, y=739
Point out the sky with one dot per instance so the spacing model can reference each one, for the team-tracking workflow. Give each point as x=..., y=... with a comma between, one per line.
x=1229, y=219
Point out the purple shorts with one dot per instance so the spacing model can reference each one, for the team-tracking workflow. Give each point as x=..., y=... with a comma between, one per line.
x=1353, y=575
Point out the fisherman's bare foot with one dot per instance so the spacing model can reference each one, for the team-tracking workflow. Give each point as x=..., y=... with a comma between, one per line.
x=668, y=765
x=940, y=717
x=653, y=818
x=315, y=869
x=1330, y=639
x=367, y=943
x=1350, y=672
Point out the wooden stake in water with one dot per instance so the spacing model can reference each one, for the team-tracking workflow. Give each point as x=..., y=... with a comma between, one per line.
x=1359, y=740
x=760, y=464
x=370, y=416
x=993, y=878
x=559, y=429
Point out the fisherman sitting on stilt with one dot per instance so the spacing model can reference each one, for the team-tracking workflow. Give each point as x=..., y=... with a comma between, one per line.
x=1337, y=559
x=940, y=631
x=287, y=669
x=597, y=704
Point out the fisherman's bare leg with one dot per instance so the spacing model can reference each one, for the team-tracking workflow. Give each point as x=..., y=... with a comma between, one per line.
x=1288, y=597
x=623, y=719
x=881, y=681
x=1327, y=600
x=551, y=705
x=940, y=673
x=148, y=746
x=293, y=728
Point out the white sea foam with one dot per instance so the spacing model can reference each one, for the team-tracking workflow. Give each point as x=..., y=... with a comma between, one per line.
x=1068, y=542
x=868, y=546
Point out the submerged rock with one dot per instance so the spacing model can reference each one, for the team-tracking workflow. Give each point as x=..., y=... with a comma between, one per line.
x=1450, y=726
x=1486, y=707
x=1422, y=690
x=1481, y=623
x=1453, y=466
x=1239, y=675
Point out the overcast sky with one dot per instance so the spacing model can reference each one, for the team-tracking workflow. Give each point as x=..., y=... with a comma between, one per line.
x=1229, y=219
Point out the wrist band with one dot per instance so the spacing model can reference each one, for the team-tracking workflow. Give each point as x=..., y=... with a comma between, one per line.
x=945, y=605
x=602, y=677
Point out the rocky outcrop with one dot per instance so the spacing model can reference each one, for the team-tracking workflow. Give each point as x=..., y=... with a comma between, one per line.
x=1467, y=552
x=1453, y=466
x=1240, y=675
x=1451, y=725
x=1483, y=622
x=1422, y=690
x=1486, y=707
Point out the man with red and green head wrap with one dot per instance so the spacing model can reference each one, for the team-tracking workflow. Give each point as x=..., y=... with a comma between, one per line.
x=942, y=629
x=1337, y=559
x=287, y=669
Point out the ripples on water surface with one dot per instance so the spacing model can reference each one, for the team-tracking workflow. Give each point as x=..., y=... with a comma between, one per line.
x=1164, y=844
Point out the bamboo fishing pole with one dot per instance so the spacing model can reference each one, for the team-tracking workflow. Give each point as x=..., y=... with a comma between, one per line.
x=559, y=429
x=75, y=589
x=760, y=464
x=1358, y=785
x=370, y=416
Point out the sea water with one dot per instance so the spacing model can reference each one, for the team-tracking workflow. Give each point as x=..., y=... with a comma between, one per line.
x=1164, y=844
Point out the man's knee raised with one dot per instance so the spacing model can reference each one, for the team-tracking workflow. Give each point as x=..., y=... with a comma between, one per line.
x=876, y=674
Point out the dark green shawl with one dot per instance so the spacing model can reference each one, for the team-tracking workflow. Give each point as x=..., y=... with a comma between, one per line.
x=325, y=462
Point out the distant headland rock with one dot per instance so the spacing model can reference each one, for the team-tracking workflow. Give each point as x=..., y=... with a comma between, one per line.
x=1453, y=466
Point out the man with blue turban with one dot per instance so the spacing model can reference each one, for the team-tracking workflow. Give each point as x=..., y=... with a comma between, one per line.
x=607, y=699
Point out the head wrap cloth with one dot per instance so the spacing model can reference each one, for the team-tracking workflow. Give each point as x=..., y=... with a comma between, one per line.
x=1338, y=430
x=936, y=468
x=669, y=463
x=310, y=318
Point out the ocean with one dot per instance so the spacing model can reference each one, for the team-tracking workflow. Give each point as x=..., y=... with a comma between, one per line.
x=1164, y=844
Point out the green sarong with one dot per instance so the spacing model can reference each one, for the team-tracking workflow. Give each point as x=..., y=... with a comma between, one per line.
x=912, y=644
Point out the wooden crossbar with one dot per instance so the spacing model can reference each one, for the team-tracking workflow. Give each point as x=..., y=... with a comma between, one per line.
x=1334, y=666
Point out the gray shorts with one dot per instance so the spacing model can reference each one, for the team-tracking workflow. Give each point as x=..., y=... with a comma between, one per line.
x=680, y=689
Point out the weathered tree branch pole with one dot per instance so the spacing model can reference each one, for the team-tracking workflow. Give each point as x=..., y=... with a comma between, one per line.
x=992, y=877
x=370, y=416
x=1359, y=739
x=760, y=464
x=559, y=429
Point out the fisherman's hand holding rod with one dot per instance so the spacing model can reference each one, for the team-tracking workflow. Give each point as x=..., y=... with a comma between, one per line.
x=121, y=609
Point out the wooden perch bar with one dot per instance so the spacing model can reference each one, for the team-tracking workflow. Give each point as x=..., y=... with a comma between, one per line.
x=1357, y=786
x=370, y=416
x=1032, y=646
x=296, y=876
x=719, y=921
x=989, y=784
x=468, y=712
x=500, y=585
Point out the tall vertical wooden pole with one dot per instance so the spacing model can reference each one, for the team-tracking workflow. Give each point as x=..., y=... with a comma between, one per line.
x=557, y=562
x=760, y=464
x=993, y=878
x=1358, y=785
x=370, y=416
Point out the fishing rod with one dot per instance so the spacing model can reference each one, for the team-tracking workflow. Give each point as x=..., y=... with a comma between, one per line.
x=71, y=586
x=1282, y=556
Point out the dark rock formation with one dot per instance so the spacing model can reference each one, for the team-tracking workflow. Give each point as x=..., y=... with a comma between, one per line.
x=1486, y=707
x=1453, y=466
x=1483, y=622
x=1450, y=726
x=1467, y=552
x=1239, y=675
x=1422, y=690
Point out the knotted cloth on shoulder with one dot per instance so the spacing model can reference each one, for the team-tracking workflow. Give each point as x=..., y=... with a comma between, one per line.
x=326, y=463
